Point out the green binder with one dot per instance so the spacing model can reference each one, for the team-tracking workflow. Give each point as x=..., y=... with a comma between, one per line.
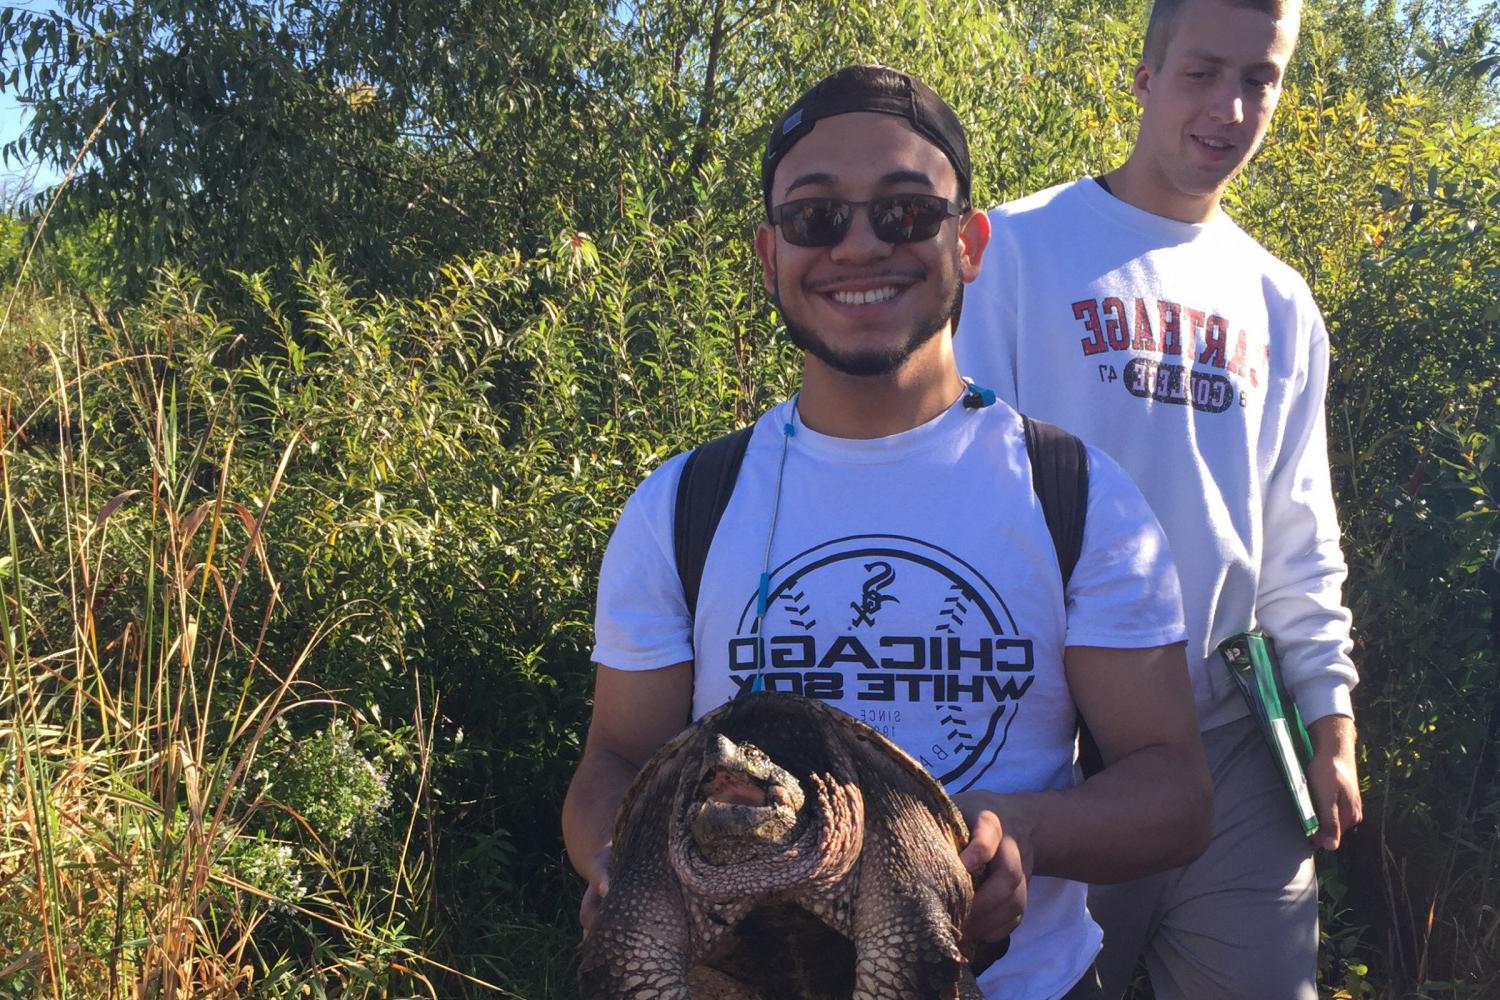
x=1251, y=659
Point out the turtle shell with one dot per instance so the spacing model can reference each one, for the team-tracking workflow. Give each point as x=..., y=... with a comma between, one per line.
x=862, y=893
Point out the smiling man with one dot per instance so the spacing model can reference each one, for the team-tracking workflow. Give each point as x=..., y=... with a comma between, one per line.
x=1129, y=310
x=884, y=550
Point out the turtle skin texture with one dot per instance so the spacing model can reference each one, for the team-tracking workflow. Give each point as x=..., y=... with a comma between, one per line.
x=779, y=849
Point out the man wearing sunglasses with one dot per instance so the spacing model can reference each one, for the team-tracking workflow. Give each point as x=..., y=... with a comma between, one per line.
x=1131, y=311
x=884, y=550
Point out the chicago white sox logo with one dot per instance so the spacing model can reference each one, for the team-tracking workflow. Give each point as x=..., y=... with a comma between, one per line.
x=931, y=656
x=874, y=596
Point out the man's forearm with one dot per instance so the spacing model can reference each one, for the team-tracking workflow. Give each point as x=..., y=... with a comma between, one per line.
x=1147, y=811
x=593, y=799
x=635, y=712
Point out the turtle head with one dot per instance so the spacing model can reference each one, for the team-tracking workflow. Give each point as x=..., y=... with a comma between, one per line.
x=744, y=805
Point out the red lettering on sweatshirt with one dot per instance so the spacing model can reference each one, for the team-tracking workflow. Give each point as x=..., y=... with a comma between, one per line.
x=1205, y=338
x=1195, y=318
x=1116, y=327
x=1237, y=359
x=1088, y=311
x=1144, y=339
x=1171, y=327
x=1215, y=333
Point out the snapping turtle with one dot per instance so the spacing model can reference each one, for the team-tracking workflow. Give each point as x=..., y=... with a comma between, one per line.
x=779, y=849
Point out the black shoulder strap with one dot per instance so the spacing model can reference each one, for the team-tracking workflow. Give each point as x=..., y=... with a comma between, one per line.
x=1060, y=476
x=703, y=492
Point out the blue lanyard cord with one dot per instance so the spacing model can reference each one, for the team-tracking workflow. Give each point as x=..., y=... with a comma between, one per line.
x=975, y=397
x=763, y=598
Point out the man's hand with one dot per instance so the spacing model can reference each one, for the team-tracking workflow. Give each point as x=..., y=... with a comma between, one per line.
x=1333, y=779
x=598, y=888
x=1005, y=848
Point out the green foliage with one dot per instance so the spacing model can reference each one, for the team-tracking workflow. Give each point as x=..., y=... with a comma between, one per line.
x=12, y=247
x=1377, y=48
x=1423, y=526
x=444, y=486
x=227, y=135
x=330, y=785
x=300, y=531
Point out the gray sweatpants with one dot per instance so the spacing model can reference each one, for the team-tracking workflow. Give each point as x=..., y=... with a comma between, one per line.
x=1240, y=922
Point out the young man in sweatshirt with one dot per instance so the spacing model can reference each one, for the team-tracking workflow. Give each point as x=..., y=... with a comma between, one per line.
x=1131, y=311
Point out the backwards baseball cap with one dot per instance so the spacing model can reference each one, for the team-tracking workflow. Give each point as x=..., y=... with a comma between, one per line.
x=870, y=88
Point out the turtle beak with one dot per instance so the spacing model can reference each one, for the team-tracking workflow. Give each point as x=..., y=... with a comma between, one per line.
x=726, y=778
x=724, y=752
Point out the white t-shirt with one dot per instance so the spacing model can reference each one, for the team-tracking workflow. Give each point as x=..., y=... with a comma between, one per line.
x=914, y=585
x=1199, y=362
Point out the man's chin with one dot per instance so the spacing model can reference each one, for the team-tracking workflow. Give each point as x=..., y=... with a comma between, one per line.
x=859, y=364
x=871, y=363
x=1212, y=179
x=863, y=366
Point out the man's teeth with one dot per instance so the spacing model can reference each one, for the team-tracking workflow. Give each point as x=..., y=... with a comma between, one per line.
x=866, y=297
x=1214, y=143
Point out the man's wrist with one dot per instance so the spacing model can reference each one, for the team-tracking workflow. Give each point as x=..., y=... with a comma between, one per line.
x=1014, y=810
x=1332, y=735
x=1019, y=814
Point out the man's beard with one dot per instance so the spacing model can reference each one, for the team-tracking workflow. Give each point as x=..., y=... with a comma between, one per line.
x=872, y=363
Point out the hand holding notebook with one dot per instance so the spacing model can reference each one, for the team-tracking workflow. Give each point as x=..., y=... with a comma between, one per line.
x=1251, y=659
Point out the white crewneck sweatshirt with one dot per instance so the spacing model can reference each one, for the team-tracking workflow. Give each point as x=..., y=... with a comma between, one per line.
x=1199, y=362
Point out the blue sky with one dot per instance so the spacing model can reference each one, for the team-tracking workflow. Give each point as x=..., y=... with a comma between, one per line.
x=13, y=116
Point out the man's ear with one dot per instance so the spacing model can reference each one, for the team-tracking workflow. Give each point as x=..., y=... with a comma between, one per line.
x=973, y=237
x=765, y=249
x=1140, y=82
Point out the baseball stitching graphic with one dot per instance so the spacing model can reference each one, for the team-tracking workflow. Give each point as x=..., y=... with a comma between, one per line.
x=903, y=634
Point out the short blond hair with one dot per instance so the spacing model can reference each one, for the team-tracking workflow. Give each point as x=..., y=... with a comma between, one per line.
x=1164, y=19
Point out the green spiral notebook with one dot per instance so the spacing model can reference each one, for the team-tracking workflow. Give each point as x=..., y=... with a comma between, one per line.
x=1251, y=659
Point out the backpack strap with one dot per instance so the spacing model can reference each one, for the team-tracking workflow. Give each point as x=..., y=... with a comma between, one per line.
x=703, y=492
x=1060, y=477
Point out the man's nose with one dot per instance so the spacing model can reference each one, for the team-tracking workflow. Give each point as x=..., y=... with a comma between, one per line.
x=1228, y=105
x=860, y=242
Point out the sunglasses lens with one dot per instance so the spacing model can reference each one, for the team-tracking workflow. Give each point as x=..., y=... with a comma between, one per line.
x=823, y=222
x=908, y=218
x=815, y=222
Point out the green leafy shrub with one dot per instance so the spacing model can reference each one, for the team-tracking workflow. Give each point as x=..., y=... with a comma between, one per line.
x=330, y=785
x=298, y=554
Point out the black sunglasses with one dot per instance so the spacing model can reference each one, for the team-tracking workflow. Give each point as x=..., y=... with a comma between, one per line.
x=897, y=218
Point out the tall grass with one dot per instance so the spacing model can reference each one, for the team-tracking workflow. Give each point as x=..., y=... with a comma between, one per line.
x=139, y=693
x=297, y=636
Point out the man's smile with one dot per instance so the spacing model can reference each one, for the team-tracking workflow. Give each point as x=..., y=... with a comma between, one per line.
x=865, y=290
x=1213, y=146
x=867, y=297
